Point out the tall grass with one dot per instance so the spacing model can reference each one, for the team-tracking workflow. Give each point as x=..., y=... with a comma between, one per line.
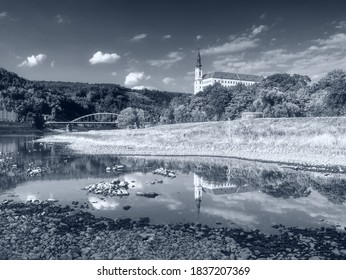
x=310, y=140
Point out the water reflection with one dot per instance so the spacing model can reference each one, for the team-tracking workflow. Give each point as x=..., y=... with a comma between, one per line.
x=205, y=190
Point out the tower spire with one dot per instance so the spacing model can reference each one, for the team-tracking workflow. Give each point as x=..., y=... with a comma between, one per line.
x=199, y=61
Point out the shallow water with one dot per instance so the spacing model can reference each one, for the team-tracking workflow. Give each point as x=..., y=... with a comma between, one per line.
x=216, y=192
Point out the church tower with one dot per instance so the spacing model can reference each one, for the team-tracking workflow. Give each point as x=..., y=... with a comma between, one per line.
x=198, y=74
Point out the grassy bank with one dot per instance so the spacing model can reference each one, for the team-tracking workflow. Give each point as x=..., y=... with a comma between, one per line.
x=314, y=141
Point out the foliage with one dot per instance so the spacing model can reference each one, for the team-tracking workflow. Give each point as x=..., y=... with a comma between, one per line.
x=278, y=95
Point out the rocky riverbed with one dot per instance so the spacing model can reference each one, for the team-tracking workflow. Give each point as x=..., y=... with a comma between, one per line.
x=43, y=230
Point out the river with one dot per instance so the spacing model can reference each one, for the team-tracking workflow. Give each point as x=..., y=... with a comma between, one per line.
x=216, y=192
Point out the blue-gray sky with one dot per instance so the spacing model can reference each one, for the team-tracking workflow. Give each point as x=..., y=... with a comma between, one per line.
x=153, y=43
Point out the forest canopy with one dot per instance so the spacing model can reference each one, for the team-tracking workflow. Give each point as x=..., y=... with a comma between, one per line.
x=278, y=95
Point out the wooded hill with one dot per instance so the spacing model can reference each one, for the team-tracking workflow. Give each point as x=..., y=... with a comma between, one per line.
x=63, y=101
x=279, y=95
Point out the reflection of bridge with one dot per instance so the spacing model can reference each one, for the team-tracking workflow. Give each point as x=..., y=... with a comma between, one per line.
x=91, y=119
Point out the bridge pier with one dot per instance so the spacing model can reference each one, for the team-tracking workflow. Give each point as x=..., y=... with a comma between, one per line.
x=68, y=127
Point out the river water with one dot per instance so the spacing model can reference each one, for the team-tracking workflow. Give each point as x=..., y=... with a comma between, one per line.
x=216, y=192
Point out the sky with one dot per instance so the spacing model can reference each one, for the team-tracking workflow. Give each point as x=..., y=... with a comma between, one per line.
x=154, y=43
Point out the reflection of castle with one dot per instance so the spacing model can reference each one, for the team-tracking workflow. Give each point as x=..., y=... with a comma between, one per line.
x=214, y=188
x=227, y=187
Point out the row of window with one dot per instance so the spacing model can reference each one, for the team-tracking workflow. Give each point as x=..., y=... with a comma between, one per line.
x=233, y=82
x=227, y=82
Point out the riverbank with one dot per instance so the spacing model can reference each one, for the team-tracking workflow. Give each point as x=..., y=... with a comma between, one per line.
x=43, y=230
x=8, y=128
x=309, y=141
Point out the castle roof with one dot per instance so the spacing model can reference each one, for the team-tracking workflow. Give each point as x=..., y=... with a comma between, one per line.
x=233, y=76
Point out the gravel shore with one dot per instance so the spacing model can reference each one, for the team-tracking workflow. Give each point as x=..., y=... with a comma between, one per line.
x=43, y=230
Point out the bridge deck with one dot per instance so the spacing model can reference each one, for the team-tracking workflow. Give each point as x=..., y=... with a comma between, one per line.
x=81, y=122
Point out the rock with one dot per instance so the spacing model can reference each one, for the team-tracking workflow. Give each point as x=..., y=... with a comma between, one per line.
x=65, y=257
x=244, y=254
x=35, y=230
x=32, y=256
x=165, y=172
x=85, y=251
x=123, y=184
x=147, y=194
x=336, y=252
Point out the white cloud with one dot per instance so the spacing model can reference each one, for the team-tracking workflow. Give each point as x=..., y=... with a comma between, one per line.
x=114, y=73
x=52, y=64
x=236, y=45
x=263, y=16
x=147, y=78
x=316, y=60
x=170, y=59
x=198, y=37
x=167, y=80
x=60, y=19
x=144, y=87
x=33, y=60
x=341, y=25
x=133, y=78
x=168, y=36
x=100, y=57
x=139, y=37
x=258, y=30
x=3, y=15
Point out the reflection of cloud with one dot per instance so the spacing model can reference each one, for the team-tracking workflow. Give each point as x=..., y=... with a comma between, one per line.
x=172, y=204
x=235, y=216
x=128, y=178
x=99, y=204
x=314, y=206
x=31, y=197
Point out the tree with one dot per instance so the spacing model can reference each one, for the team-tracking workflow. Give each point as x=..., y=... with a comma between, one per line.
x=181, y=114
x=243, y=98
x=329, y=94
x=128, y=118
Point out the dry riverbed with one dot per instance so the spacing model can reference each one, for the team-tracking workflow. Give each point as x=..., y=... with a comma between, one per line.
x=43, y=230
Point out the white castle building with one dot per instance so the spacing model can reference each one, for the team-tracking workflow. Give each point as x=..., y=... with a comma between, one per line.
x=226, y=79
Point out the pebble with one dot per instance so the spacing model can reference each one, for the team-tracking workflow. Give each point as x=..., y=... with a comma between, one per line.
x=43, y=230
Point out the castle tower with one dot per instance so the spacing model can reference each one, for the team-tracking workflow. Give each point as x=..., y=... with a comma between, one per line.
x=198, y=74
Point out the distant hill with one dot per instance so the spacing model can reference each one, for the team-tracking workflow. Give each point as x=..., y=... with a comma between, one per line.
x=63, y=101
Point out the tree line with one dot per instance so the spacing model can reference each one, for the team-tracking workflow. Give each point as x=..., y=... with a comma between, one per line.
x=278, y=95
